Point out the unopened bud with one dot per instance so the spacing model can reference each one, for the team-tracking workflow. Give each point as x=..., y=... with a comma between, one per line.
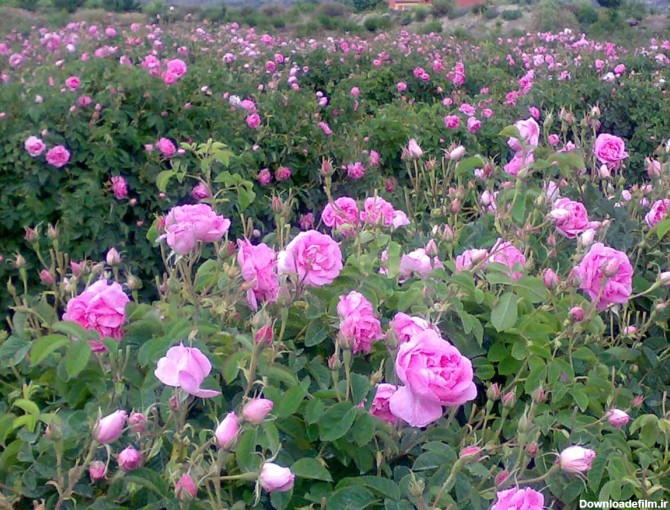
x=19, y=261
x=532, y=449
x=509, y=400
x=32, y=236
x=493, y=392
x=52, y=233
x=46, y=277
x=113, y=257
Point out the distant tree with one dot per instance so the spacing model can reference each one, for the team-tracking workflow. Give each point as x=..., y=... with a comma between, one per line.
x=67, y=5
x=610, y=4
x=121, y=5
x=365, y=5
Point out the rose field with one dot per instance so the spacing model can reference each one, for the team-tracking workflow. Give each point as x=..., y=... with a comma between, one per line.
x=252, y=270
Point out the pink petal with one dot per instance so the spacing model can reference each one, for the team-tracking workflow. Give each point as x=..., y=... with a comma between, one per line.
x=413, y=409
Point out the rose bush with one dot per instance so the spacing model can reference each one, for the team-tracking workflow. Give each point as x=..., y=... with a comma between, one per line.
x=451, y=334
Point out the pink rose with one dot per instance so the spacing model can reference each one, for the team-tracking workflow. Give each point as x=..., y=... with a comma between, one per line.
x=518, y=163
x=201, y=191
x=227, y=431
x=617, y=418
x=129, y=459
x=469, y=259
x=109, y=428
x=257, y=410
x=253, y=120
x=508, y=255
x=185, y=368
x=374, y=158
x=414, y=150
x=177, y=67
x=659, y=211
x=576, y=459
x=276, y=478
x=102, y=308
x=609, y=149
x=119, y=187
x=380, y=405
x=606, y=275
x=517, y=499
x=377, y=211
x=196, y=222
x=405, y=327
x=259, y=267
x=73, y=83
x=474, y=124
x=342, y=214
x=185, y=487
x=452, y=121
x=418, y=262
x=358, y=325
x=314, y=257
x=435, y=374
x=570, y=217
x=34, y=146
x=283, y=173
x=529, y=132
x=167, y=148
x=58, y=156
x=356, y=170
x=264, y=177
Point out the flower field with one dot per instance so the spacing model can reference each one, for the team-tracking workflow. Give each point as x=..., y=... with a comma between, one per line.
x=395, y=272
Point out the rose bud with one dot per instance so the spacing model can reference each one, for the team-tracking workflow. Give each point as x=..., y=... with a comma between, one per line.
x=550, y=279
x=508, y=400
x=617, y=418
x=113, y=257
x=185, y=488
x=109, y=428
x=664, y=278
x=46, y=277
x=129, y=459
x=577, y=313
x=501, y=477
x=52, y=233
x=264, y=335
x=276, y=478
x=531, y=449
x=493, y=392
x=637, y=401
x=470, y=453
x=97, y=470
x=32, y=236
x=137, y=422
x=539, y=395
x=576, y=459
x=227, y=431
x=257, y=410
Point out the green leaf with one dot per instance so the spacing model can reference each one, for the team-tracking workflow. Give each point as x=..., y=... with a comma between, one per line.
x=364, y=430
x=313, y=410
x=351, y=498
x=531, y=288
x=336, y=421
x=467, y=165
x=28, y=406
x=311, y=468
x=290, y=401
x=148, y=479
x=12, y=351
x=163, y=178
x=316, y=333
x=76, y=358
x=581, y=398
x=360, y=385
x=505, y=313
x=46, y=345
x=662, y=228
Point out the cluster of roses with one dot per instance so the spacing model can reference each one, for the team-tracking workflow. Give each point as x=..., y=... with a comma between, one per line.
x=529, y=132
x=58, y=156
x=174, y=71
x=343, y=215
x=186, y=368
x=186, y=225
